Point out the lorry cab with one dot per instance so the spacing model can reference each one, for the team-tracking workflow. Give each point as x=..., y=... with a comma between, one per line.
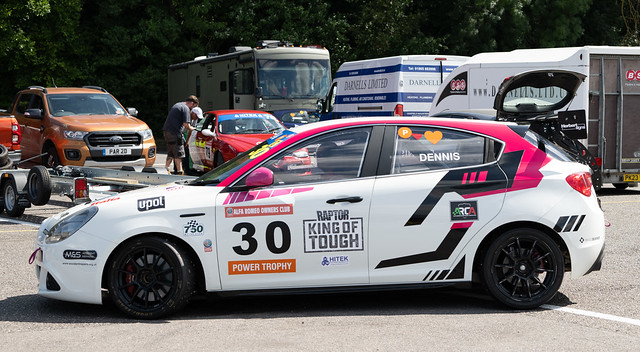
x=397, y=85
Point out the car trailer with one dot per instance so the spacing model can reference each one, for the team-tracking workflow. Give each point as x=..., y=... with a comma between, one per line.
x=21, y=188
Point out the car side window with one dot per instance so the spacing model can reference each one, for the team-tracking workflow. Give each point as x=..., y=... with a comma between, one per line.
x=419, y=148
x=23, y=103
x=338, y=155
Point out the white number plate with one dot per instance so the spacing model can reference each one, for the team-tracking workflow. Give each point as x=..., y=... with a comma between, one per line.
x=116, y=151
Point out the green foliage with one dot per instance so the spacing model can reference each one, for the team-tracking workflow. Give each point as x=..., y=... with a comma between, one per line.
x=126, y=46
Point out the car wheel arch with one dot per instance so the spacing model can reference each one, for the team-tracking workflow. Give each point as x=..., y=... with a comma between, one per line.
x=190, y=253
x=491, y=236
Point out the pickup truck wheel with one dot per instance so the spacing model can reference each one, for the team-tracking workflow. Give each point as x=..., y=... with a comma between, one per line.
x=38, y=185
x=11, y=199
x=50, y=158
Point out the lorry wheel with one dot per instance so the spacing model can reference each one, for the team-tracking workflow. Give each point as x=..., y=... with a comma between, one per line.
x=50, y=158
x=38, y=185
x=11, y=199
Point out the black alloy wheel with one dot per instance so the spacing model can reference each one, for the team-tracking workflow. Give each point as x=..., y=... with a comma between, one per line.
x=150, y=277
x=523, y=268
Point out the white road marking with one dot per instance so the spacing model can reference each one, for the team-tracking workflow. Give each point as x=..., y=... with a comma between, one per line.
x=593, y=314
x=20, y=222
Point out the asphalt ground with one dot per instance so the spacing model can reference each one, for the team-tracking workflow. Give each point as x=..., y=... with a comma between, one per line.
x=600, y=311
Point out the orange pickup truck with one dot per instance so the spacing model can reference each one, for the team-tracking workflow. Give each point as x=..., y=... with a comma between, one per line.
x=82, y=127
x=10, y=136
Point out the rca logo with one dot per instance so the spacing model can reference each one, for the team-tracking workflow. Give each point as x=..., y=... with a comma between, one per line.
x=467, y=210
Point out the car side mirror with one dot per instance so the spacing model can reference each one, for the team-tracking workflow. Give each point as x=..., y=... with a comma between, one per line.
x=33, y=113
x=133, y=112
x=207, y=132
x=320, y=105
x=260, y=177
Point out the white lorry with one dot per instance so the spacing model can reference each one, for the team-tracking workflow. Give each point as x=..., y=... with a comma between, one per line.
x=609, y=97
x=397, y=85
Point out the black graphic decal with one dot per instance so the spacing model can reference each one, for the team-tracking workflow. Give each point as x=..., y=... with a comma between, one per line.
x=566, y=223
x=445, y=249
x=458, y=271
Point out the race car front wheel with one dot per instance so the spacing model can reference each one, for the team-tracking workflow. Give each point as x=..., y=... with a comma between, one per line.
x=150, y=277
x=523, y=268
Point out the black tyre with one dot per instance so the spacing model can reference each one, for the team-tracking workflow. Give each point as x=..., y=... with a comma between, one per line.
x=50, y=157
x=150, y=278
x=7, y=165
x=186, y=161
x=10, y=195
x=38, y=185
x=5, y=161
x=621, y=186
x=217, y=159
x=523, y=268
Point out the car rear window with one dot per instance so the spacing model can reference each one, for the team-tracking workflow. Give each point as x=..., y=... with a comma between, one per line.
x=547, y=146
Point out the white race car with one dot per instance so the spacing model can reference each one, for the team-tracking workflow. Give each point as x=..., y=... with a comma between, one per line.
x=384, y=201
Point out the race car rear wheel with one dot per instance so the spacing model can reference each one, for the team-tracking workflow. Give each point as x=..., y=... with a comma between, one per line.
x=150, y=277
x=523, y=268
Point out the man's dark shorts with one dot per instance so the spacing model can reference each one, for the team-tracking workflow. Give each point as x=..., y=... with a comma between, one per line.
x=175, y=147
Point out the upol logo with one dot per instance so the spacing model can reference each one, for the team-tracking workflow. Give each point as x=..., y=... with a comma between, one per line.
x=150, y=203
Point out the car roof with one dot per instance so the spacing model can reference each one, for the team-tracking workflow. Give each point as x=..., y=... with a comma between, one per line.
x=70, y=90
x=486, y=127
x=228, y=111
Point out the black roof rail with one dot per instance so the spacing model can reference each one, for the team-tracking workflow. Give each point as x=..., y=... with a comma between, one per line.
x=43, y=89
x=95, y=87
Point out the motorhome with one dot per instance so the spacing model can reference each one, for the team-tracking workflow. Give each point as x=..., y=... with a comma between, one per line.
x=274, y=76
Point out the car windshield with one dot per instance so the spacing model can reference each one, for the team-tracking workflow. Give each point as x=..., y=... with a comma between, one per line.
x=294, y=78
x=249, y=124
x=533, y=99
x=225, y=170
x=83, y=104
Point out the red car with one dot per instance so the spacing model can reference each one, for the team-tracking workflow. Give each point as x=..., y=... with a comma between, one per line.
x=223, y=134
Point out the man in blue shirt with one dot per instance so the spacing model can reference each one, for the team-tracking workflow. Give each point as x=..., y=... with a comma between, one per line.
x=177, y=121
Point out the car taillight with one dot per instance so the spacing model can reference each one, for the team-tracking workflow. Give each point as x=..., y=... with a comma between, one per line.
x=16, y=133
x=81, y=188
x=399, y=110
x=581, y=182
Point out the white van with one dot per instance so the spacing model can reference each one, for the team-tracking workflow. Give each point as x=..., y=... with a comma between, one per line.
x=606, y=103
x=397, y=85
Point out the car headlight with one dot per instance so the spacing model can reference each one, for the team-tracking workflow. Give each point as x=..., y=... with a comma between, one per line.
x=75, y=135
x=69, y=225
x=146, y=134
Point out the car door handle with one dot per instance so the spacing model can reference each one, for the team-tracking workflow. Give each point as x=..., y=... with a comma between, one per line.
x=345, y=199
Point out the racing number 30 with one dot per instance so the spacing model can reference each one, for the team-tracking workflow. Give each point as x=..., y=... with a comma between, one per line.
x=270, y=237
